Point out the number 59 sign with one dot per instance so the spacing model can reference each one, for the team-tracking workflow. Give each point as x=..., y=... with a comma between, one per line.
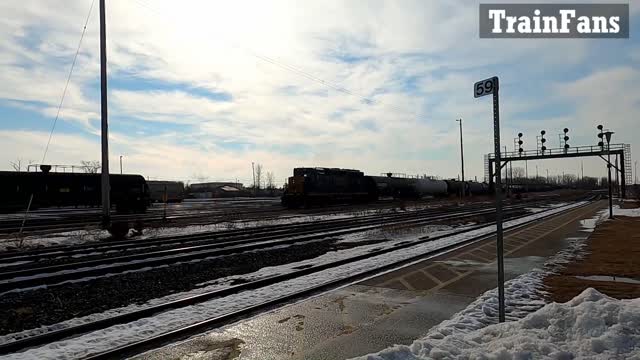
x=485, y=87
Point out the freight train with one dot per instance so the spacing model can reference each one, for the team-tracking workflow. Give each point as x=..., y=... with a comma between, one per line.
x=321, y=186
x=166, y=191
x=129, y=193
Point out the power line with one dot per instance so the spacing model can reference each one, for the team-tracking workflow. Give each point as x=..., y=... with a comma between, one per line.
x=64, y=92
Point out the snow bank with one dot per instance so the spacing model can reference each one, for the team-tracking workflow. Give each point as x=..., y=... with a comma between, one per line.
x=474, y=333
x=626, y=212
x=592, y=325
x=74, y=237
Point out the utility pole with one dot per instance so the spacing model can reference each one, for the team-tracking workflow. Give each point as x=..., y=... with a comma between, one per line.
x=106, y=205
x=536, y=171
x=120, y=164
x=582, y=170
x=547, y=176
x=253, y=170
x=461, y=156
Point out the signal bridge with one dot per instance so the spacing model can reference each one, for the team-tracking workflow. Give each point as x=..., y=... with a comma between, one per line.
x=623, y=151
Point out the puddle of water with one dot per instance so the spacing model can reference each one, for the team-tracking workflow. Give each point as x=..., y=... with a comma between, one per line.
x=610, y=278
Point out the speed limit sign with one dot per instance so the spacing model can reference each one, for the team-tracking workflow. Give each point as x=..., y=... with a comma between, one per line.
x=485, y=87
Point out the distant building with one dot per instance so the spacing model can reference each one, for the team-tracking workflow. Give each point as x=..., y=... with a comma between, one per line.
x=217, y=189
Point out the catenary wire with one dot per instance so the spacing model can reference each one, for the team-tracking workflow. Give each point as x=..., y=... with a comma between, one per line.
x=64, y=92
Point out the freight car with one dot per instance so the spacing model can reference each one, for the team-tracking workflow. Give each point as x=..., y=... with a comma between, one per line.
x=129, y=193
x=166, y=191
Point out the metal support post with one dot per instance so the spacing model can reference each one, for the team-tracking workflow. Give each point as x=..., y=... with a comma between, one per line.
x=499, y=239
x=106, y=205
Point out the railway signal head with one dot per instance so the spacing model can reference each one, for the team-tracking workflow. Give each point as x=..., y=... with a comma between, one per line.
x=600, y=127
x=543, y=148
x=566, y=138
x=543, y=140
x=542, y=132
x=566, y=130
x=608, y=134
x=520, y=142
x=566, y=146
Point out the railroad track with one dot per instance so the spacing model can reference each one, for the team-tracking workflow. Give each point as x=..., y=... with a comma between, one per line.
x=49, y=223
x=403, y=253
x=182, y=247
x=30, y=274
x=76, y=250
x=196, y=213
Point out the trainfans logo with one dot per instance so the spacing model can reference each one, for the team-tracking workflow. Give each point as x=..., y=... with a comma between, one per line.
x=554, y=20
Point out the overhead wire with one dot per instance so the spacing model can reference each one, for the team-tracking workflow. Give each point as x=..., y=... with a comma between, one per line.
x=66, y=86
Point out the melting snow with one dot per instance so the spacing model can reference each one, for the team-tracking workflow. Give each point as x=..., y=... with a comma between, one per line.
x=524, y=291
x=591, y=325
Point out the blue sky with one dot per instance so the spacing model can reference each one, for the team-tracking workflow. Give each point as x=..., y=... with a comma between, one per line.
x=202, y=89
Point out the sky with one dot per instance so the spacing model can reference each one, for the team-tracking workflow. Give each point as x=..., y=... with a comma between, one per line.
x=201, y=89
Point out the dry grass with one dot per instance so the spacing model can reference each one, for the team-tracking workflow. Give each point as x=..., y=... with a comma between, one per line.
x=612, y=250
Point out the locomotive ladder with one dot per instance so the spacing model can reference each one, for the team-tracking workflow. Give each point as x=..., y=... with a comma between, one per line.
x=487, y=172
x=628, y=171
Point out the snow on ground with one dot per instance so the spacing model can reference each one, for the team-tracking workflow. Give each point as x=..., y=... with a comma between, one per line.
x=589, y=225
x=591, y=325
x=93, y=235
x=64, y=238
x=625, y=212
x=126, y=333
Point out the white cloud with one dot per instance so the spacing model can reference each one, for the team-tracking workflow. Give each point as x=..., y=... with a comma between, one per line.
x=417, y=60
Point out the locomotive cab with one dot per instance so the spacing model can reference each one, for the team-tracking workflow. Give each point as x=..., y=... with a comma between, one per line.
x=320, y=186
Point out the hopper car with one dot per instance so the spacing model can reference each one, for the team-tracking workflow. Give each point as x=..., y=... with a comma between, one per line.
x=166, y=191
x=129, y=193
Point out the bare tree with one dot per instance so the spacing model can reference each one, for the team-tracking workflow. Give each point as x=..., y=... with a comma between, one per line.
x=16, y=165
x=200, y=177
x=270, y=180
x=90, y=167
x=518, y=173
x=258, y=176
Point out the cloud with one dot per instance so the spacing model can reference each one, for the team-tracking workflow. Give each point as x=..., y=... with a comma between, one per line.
x=407, y=67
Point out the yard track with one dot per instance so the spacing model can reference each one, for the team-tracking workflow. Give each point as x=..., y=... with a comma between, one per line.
x=163, y=338
x=35, y=269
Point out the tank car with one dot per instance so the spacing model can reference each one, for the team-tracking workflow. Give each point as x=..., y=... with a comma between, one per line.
x=428, y=187
x=477, y=188
x=455, y=187
x=396, y=187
